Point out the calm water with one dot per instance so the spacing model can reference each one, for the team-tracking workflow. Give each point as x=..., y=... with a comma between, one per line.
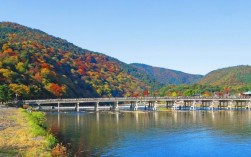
x=177, y=133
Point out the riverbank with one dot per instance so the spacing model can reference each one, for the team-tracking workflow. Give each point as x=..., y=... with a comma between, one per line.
x=23, y=134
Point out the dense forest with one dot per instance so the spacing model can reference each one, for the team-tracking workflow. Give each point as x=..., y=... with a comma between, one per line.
x=231, y=76
x=202, y=90
x=226, y=81
x=34, y=65
x=168, y=76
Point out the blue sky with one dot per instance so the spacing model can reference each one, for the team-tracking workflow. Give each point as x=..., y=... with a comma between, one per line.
x=194, y=36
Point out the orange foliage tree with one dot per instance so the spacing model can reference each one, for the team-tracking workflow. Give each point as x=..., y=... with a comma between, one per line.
x=56, y=89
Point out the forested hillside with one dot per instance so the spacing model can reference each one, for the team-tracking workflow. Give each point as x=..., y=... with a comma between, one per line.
x=226, y=81
x=167, y=76
x=232, y=76
x=34, y=64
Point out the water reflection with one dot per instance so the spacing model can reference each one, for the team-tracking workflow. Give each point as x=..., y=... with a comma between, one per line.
x=58, y=119
x=78, y=118
x=114, y=134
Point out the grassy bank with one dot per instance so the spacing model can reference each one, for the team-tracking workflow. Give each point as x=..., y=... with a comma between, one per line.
x=24, y=134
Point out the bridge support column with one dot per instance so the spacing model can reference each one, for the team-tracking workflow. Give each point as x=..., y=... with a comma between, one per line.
x=77, y=107
x=220, y=103
x=39, y=107
x=155, y=105
x=193, y=105
x=212, y=105
x=175, y=105
x=134, y=106
x=248, y=106
x=131, y=106
x=169, y=104
x=230, y=105
x=115, y=106
x=96, y=107
x=58, y=107
x=152, y=106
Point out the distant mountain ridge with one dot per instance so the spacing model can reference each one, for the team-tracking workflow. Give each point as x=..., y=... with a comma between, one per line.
x=236, y=75
x=168, y=76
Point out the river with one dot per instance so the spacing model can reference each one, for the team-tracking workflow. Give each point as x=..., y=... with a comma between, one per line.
x=171, y=133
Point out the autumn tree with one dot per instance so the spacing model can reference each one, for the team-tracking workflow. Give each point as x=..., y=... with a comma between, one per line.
x=5, y=93
x=56, y=89
x=19, y=89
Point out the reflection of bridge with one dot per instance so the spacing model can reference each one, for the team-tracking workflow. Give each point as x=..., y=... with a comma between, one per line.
x=150, y=103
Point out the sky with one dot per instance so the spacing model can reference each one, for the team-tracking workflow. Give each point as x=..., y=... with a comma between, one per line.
x=193, y=36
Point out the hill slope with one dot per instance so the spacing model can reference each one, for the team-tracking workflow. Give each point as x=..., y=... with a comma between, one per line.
x=237, y=75
x=167, y=76
x=34, y=64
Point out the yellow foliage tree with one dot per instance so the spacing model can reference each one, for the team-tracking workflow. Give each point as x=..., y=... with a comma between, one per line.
x=174, y=94
x=7, y=73
x=20, y=90
x=20, y=67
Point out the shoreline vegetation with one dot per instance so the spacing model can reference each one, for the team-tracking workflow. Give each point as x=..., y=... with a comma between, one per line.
x=23, y=133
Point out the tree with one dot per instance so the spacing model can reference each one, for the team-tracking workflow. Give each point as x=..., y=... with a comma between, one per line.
x=20, y=67
x=146, y=93
x=56, y=89
x=5, y=93
x=174, y=94
x=189, y=92
x=19, y=90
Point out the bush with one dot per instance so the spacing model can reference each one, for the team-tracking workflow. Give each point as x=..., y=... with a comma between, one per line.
x=59, y=151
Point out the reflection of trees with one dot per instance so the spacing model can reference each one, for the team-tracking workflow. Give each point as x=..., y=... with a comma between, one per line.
x=102, y=131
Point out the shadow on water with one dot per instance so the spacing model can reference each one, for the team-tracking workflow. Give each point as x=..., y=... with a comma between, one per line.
x=112, y=134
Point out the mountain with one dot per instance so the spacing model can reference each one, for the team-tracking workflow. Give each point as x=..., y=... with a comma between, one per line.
x=167, y=76
x=236, y=75
x=34, y=64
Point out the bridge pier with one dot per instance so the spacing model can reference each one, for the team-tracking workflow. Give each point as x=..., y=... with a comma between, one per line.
x=39, y=107
x=175, y=106
x=248, y=106
x=152, y=106
x=134, y=106
x=220, y=104
x=192, y=107
x=58, y=107
x=96, y=109
x=77, y=107
x=115, y=106
x=230, y=105
x=169, y=104
x=212, y=105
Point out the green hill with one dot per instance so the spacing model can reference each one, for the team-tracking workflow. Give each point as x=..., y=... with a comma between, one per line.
x=231, y=76
x=167, y=76
x=34, y=64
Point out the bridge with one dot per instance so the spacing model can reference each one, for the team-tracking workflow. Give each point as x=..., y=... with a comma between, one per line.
x=150, y=103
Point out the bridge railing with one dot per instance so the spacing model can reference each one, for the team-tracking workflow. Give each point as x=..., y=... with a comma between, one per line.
x=133, y=99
